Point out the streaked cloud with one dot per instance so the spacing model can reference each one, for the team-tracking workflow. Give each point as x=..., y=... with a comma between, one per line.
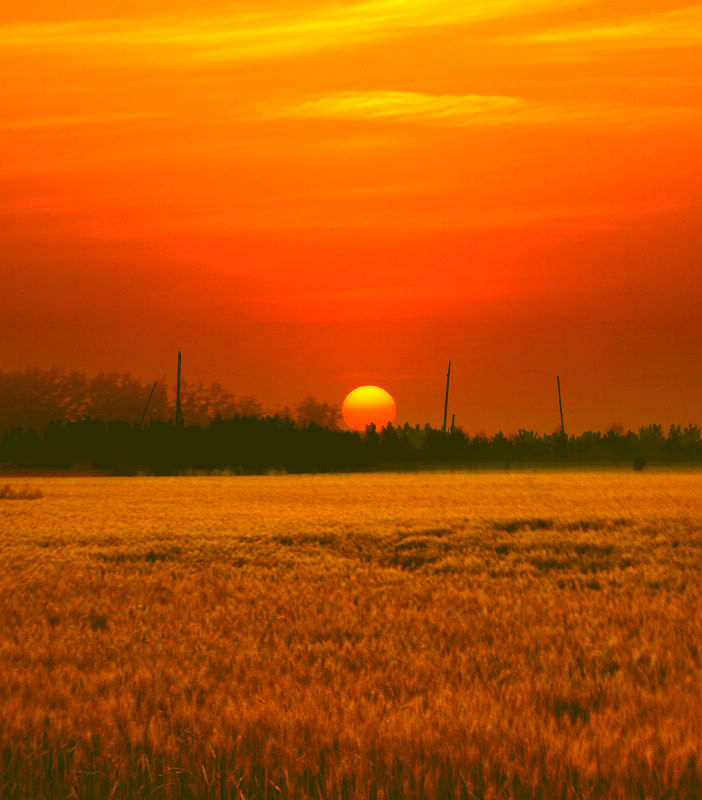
x=462, y=110
x=448, y=109
x=670, y=28
x=252, y=35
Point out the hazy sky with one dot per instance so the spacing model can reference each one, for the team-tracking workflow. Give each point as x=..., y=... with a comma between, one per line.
x=308, y=196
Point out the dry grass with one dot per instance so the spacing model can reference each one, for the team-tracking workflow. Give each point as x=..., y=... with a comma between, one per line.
x=394, y=636
x=25, y=493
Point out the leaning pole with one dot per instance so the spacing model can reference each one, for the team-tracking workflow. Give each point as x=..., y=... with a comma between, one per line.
x=560, y=406
x=179, y=410
x=564, y=440
x=448, y=381
x=146, y=407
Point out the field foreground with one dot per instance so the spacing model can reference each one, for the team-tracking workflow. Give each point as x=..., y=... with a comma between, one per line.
x=533, y=635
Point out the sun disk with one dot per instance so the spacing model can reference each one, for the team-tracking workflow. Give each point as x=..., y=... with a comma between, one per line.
x=368, y=405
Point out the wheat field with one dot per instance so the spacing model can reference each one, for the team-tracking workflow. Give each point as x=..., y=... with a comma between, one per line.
x=444, y=635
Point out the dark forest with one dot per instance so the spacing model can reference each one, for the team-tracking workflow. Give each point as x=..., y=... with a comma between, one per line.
x=57, y=420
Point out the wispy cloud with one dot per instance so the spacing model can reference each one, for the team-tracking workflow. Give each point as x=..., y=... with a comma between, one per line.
x=70, y=120
x=245, y=35
x=669, y=28
x=462, y=110
x=445, y=109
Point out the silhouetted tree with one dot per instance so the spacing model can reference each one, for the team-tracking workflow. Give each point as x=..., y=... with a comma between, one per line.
x=322, y=414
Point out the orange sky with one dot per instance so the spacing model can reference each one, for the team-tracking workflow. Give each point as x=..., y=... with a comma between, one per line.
x=305, y=197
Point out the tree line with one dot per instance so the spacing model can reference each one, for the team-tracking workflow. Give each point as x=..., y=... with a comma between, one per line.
x=54, y=419
x=32, y=398
x=256, y=445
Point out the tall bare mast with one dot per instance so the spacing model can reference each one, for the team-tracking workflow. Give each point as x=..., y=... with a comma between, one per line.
x=560, y=407
x=179, y=410
x=448, y=381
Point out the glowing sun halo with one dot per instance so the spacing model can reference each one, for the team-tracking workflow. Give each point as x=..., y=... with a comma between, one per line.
x=366, y=405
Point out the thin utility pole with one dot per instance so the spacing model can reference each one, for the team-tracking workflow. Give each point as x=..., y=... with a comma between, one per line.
x=560, y=406
x=448, y=381
x=179, y=411
x=453, y=423
x=146, y=407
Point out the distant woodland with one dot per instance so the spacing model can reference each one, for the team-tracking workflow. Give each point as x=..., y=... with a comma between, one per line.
x=34, y=397
x=64, y=420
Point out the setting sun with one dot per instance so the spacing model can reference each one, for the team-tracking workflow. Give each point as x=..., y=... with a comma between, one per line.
x=368, y=405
